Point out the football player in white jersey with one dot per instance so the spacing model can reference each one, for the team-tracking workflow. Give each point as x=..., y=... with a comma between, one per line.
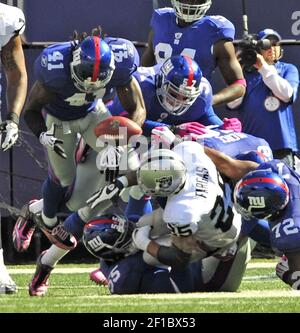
x=12, y=24
x=198, y=207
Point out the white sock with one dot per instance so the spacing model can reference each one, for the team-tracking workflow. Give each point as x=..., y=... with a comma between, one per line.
x=53, y=255
x=36, y=207
x=49, y=221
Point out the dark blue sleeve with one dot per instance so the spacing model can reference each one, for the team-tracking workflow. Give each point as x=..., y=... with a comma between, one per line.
x=149, y=125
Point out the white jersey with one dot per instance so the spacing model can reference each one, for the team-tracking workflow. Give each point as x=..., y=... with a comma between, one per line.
x=12, y=23
x=204, y=206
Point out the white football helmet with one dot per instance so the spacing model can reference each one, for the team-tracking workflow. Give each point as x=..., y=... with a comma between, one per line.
x=188, y=12
x=162, y=173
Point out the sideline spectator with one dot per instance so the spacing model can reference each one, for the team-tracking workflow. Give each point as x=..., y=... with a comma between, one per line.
x=266, y=109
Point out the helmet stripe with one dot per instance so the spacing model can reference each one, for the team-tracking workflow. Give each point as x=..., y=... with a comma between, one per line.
x=191, y=71
x=102, y=221
x=96, y=68
x=265, y=180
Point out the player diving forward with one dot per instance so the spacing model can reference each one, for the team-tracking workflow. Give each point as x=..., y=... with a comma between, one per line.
x=70, y=76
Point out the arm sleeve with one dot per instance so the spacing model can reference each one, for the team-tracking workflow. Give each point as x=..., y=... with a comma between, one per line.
x=280, y=87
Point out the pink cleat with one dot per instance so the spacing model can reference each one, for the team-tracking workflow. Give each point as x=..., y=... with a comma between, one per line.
x=39, y=283
x=98, y=277
x=24, y=228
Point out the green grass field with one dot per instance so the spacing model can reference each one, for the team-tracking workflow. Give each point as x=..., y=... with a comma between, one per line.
x=72, y=291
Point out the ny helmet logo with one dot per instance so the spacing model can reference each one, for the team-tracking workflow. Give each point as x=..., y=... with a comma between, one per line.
x=256, y=202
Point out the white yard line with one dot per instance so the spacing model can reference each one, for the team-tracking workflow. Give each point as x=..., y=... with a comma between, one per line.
x=254, y=265
x=74, y=270
x=242, y=294
x=57, y=270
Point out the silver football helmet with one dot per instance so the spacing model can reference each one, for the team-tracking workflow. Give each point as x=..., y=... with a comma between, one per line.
x=191, y=12
x=162, y=173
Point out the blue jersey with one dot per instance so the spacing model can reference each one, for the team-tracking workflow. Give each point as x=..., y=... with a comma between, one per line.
x=201, y=110
x=132, y=275
x=234, y=143
x=52, y=69
x=277, y=126
x=285, y=229
x=195, y=40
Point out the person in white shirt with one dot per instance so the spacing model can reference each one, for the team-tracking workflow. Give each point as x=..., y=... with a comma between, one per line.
x=12, y=24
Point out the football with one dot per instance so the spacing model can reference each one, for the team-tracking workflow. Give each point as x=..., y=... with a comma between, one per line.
x=117, y=127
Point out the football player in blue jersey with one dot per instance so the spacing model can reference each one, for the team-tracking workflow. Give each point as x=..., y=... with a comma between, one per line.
x=128, y=270
x=12, y=25
x=174, y=92
x=70, y=76
x=185, y=30
x=270, y=191
x=266, y=108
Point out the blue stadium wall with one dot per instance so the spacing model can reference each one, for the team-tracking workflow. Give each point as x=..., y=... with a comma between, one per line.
x=55, y=20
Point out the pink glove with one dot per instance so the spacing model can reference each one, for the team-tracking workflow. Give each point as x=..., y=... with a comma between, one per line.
x=232, y=124
x=192, y=130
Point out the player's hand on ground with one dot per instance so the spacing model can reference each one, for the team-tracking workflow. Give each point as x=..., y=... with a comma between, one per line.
x=49, y=140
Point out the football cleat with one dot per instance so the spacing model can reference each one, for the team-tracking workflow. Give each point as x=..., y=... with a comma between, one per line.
x=40, y=280
x=98, y=277
x=24, y=228
x=57, y=235
x=282, y=267
x=7, y=285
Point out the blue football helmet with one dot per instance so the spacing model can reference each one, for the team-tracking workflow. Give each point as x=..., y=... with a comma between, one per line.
x=261, y=194
x=93, y=64
x=178, y=84
x=108, y=237
x=190, y=10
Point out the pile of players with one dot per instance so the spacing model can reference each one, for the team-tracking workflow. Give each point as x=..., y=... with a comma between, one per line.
x=216, y=190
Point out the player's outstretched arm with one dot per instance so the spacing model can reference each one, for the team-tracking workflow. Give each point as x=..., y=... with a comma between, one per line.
x=132, y=100
x=230, y=167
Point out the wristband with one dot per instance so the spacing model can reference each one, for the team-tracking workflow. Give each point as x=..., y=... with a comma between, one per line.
x=241, y=82
x=13, y=117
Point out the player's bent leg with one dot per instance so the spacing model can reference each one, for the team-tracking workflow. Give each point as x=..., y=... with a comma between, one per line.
x=45, y=264
x=57, y=235
x=227, y=275
x=24, y=227
x=40, y=281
